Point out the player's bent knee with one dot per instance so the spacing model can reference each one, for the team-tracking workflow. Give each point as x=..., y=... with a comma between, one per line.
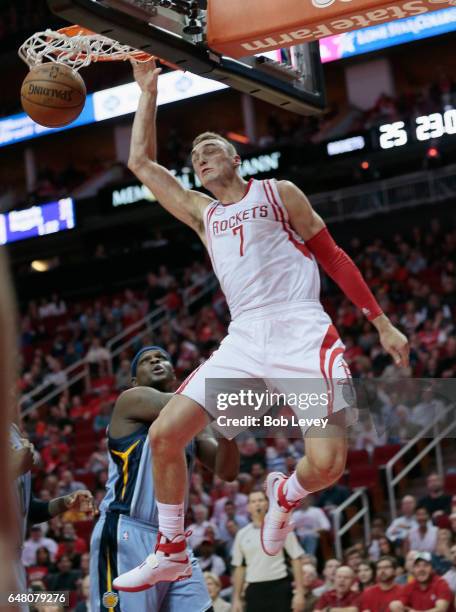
x=162, y=437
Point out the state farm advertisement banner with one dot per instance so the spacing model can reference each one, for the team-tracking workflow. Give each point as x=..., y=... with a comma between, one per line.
x=239, y=28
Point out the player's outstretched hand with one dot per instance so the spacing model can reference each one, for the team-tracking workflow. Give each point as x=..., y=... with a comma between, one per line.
x=396, y=344
x=81, y=501
x=146, y=75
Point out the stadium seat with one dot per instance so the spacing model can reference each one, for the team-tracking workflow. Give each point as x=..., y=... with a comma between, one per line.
x=450, y=484
x=367, y=476
x=84, y=530
x=356, y=458
x=382, y=454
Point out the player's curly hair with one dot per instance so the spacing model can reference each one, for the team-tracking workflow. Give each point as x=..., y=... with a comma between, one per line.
x=214, y=136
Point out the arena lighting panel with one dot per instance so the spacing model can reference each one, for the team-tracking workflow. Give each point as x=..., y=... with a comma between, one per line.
x=295, y=83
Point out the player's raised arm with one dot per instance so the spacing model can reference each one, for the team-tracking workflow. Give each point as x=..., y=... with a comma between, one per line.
x=341, y=268
x=185, y=204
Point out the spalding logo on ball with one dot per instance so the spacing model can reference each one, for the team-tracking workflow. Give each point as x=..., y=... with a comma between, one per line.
x=53, y=94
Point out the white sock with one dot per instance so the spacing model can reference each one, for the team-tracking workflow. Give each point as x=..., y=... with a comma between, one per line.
x=171, y=519
x=293, y=489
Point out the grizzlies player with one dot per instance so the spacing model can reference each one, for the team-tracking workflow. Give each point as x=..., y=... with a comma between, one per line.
x=128, y=526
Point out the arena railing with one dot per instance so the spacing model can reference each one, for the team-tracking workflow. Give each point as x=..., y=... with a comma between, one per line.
x=80, y=371
x=438, y=430
x=408, y=190
x=359, y=495
x=157, y=317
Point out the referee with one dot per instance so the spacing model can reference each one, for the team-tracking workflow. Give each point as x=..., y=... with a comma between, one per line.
x=269, y=588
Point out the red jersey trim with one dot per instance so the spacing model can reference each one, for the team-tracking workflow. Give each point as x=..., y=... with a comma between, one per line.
x=285, y=224
x=249, y=185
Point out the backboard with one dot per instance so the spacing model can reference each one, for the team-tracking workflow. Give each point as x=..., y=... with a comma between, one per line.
x=290, y=78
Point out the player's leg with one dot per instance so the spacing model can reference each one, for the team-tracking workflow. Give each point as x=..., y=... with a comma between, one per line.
x=318, y=366
x=179, y=422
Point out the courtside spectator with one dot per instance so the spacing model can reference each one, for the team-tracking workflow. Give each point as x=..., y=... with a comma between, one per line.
x=377, y=598
x=84, y=605
x=342, y=596
x=239, y=500
x=427, y=592
x=214, y=587
x=68, y=485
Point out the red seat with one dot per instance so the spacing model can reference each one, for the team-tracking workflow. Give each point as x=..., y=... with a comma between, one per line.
x=450, y=484
x=84, y=530
x=356, y=458
x=88, y=478
x=363, y=476
x=382, y=454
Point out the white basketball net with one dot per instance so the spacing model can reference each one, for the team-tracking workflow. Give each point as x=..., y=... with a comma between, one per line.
x=76, y=51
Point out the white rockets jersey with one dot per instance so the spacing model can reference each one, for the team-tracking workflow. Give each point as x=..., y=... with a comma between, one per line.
x=258, y=258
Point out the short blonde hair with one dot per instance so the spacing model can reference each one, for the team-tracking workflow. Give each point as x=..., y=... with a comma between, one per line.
x=213, y=577
x=214, y=136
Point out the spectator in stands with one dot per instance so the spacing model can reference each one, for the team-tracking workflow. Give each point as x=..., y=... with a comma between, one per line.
x=197, y=488
x=84, y=606
x=67, y=483
x=427, y=592
x=450, y=575
x=268, y=584
x=309, y=521
x=400, y=527
x=407, y=575
x=239, y=500
x=41, y=568
x=376, y=598
x=277, y=455
x=329, y=574
x=208, y=560
x=309, y=576
x=377, y=532
x=366, y=574
x=71, y=545
x=436, y=502
x=101, y=421
x=332, y=497
x=123, y=376
x=199, y=527
x=442, y=558
x=34, y=542
x=66, y=579
x=423, y=537
x=250, y=454
x=214, y=587
x=230, y=515
x=353, y=558
x=342, y=596
x=99, y=359
x=99, y=459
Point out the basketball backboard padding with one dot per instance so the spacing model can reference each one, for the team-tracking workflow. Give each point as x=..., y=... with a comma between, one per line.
x=112, y=19
x=243, y=27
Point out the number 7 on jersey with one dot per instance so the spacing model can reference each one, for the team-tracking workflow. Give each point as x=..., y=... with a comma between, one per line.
x=240, y=230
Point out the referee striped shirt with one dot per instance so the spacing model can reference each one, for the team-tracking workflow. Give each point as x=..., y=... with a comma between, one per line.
x=260, y=567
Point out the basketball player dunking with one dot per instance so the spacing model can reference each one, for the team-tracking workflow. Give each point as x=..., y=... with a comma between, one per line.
x=265, y=243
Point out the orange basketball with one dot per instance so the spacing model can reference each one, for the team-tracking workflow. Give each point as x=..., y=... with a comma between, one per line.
x=53, y=94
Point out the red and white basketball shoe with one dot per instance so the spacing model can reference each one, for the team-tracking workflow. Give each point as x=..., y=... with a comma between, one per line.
x=169, y=563
x=276, y=524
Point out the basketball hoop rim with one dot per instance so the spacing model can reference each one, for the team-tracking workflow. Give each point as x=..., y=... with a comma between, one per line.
x=89, y=47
